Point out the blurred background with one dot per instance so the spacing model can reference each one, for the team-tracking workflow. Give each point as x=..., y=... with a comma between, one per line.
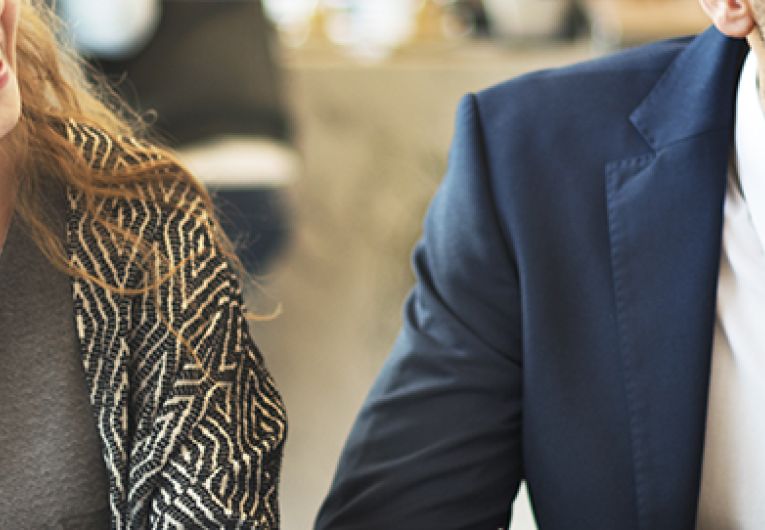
x=322, y=127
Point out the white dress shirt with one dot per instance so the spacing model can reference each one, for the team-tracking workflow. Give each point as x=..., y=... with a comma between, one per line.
x=733, y=473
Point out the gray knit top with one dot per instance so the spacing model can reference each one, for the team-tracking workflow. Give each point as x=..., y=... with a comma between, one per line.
x=52, y=473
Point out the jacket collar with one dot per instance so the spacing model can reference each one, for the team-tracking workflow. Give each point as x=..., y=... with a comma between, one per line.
x=698, y=92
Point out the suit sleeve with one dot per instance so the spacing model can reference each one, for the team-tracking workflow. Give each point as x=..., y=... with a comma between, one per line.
x=437, y=443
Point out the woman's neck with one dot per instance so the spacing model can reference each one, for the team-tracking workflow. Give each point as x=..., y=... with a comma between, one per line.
x=5, y=224
x=7, y=205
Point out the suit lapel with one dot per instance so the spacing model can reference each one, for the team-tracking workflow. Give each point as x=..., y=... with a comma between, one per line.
x=665, y=221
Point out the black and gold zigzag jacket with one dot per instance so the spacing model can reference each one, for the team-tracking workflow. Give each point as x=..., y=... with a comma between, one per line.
x=189, y=441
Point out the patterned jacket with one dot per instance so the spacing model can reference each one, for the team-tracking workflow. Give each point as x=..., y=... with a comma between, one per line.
x=189, y=440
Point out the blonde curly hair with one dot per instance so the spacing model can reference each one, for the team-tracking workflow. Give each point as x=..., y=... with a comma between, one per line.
x=58, y=87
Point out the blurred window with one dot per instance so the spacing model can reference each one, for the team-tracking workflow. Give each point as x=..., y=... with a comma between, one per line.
x=111, y=28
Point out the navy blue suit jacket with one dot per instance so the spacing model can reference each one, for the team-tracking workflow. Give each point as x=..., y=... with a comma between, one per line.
x=560, y=330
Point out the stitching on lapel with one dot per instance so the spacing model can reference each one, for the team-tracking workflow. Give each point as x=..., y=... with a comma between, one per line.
x=613, y=183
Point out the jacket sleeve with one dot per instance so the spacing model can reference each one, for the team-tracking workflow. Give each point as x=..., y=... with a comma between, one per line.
x=437, y=443
x=222, y=421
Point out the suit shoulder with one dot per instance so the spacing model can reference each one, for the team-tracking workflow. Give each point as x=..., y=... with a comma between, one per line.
x=651, y=59
x=611, y=84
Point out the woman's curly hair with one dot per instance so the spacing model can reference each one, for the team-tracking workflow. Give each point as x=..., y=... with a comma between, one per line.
x=58, y=87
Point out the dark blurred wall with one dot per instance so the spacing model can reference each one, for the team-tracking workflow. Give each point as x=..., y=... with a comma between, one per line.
x=210, y=69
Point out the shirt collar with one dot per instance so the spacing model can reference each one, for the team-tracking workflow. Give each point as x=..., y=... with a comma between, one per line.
x=750, y=144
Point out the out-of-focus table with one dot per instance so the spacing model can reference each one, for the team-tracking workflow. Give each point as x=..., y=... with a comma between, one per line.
x=374, y=140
